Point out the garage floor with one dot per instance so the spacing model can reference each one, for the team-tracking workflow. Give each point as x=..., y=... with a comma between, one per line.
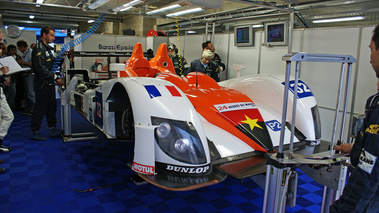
x=47, y=177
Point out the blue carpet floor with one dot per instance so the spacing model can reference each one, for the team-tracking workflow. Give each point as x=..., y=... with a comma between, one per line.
x=42, y=177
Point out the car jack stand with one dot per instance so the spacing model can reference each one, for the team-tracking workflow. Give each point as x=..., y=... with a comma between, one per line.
x=281, y=180
x=279, y=167
x=275, y=196
x=67, y=135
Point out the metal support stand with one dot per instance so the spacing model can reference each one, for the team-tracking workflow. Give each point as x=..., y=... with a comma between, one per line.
x=276, y=190
x=66, y=113
x=279, y=166
x=67, y=134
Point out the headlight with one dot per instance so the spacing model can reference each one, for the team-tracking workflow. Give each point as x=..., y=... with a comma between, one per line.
x=163, y=130
x=179, y=140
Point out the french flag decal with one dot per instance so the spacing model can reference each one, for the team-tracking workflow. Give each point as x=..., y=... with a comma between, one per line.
x=153, y=91
x=173, y=91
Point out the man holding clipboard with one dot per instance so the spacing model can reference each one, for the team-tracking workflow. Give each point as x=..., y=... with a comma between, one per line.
x=6, y=114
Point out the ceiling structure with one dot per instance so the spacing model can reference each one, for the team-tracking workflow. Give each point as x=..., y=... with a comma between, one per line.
x=219, y=13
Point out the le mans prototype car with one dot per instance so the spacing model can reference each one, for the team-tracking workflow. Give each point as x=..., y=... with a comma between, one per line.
x=191, y=132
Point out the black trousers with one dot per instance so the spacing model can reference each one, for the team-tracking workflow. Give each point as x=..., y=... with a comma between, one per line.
x=46, y=104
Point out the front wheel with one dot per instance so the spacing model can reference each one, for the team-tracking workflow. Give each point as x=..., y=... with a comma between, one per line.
x=124, y=123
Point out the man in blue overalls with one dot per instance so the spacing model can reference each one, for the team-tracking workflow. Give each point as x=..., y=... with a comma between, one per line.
x=205, y=65
x=44, y=87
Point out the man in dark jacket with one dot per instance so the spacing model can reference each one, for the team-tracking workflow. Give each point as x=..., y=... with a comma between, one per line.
x=217, y=59
x=205, y=65
x=44, y=87
x=361, y=194
x=180, y=63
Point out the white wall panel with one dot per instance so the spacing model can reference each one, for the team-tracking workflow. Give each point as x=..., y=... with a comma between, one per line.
x=222, y=49
x=192, y=47
x=323, y=78
x=366, y=79
x=105, y=43
x=153, y=42
x=246, y=56
x=28, y=36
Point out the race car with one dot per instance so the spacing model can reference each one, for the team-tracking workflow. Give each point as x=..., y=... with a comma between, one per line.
x=191, y=131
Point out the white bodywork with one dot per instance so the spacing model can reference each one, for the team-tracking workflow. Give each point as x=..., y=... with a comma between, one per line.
x=265, y=91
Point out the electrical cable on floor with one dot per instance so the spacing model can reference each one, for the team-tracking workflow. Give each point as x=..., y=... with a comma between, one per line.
x=101, y=187
x=135, y=178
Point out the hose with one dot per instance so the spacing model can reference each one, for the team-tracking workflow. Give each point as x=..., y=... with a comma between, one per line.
x=179, y=48
x=77, y=41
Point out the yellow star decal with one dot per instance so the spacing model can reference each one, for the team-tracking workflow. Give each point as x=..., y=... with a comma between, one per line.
x=252, y=123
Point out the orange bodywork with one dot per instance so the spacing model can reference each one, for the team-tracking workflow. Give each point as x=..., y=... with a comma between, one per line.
x=203, y=92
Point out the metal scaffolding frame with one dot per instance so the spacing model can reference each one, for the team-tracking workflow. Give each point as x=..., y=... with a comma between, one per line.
x=279, y=167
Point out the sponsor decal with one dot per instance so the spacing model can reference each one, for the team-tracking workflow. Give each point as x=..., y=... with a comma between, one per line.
x=373, y=129
x=90, y=116
x=154, y=92
x=117, y=47
x=143, y=168
x=249, y=122
x=173, y=91
x=234, y=106
x=366, y=161
x=99, y=109
x=303, y=90
x=252, y=123
x=187, y=170
x=188, y=180
x=274, y=125
x=39, y=53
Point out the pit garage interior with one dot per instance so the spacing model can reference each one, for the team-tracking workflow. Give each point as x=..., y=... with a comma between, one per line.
x=93, y=175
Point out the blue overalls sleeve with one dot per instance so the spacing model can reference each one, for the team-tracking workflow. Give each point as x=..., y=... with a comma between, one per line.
x=361, y=192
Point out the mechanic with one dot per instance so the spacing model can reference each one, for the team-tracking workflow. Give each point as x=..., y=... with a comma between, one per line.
x=205, y=65
x=6, y=114
x=361, y=194
x=217, y=59
x=46, y=104
x=27, y=77
x=180, y=63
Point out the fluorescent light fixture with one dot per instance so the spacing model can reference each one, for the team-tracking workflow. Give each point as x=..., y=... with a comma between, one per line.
x=194, y=10
x=39, y=1
x=91, y=21
x=191, y=31
x=163, y=9
x=257, y=25
x=31, y=17
x=97, y=4
x=338, y=19
x=126, y=6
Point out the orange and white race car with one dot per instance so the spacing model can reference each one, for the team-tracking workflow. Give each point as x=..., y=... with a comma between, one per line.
x=191, y=132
